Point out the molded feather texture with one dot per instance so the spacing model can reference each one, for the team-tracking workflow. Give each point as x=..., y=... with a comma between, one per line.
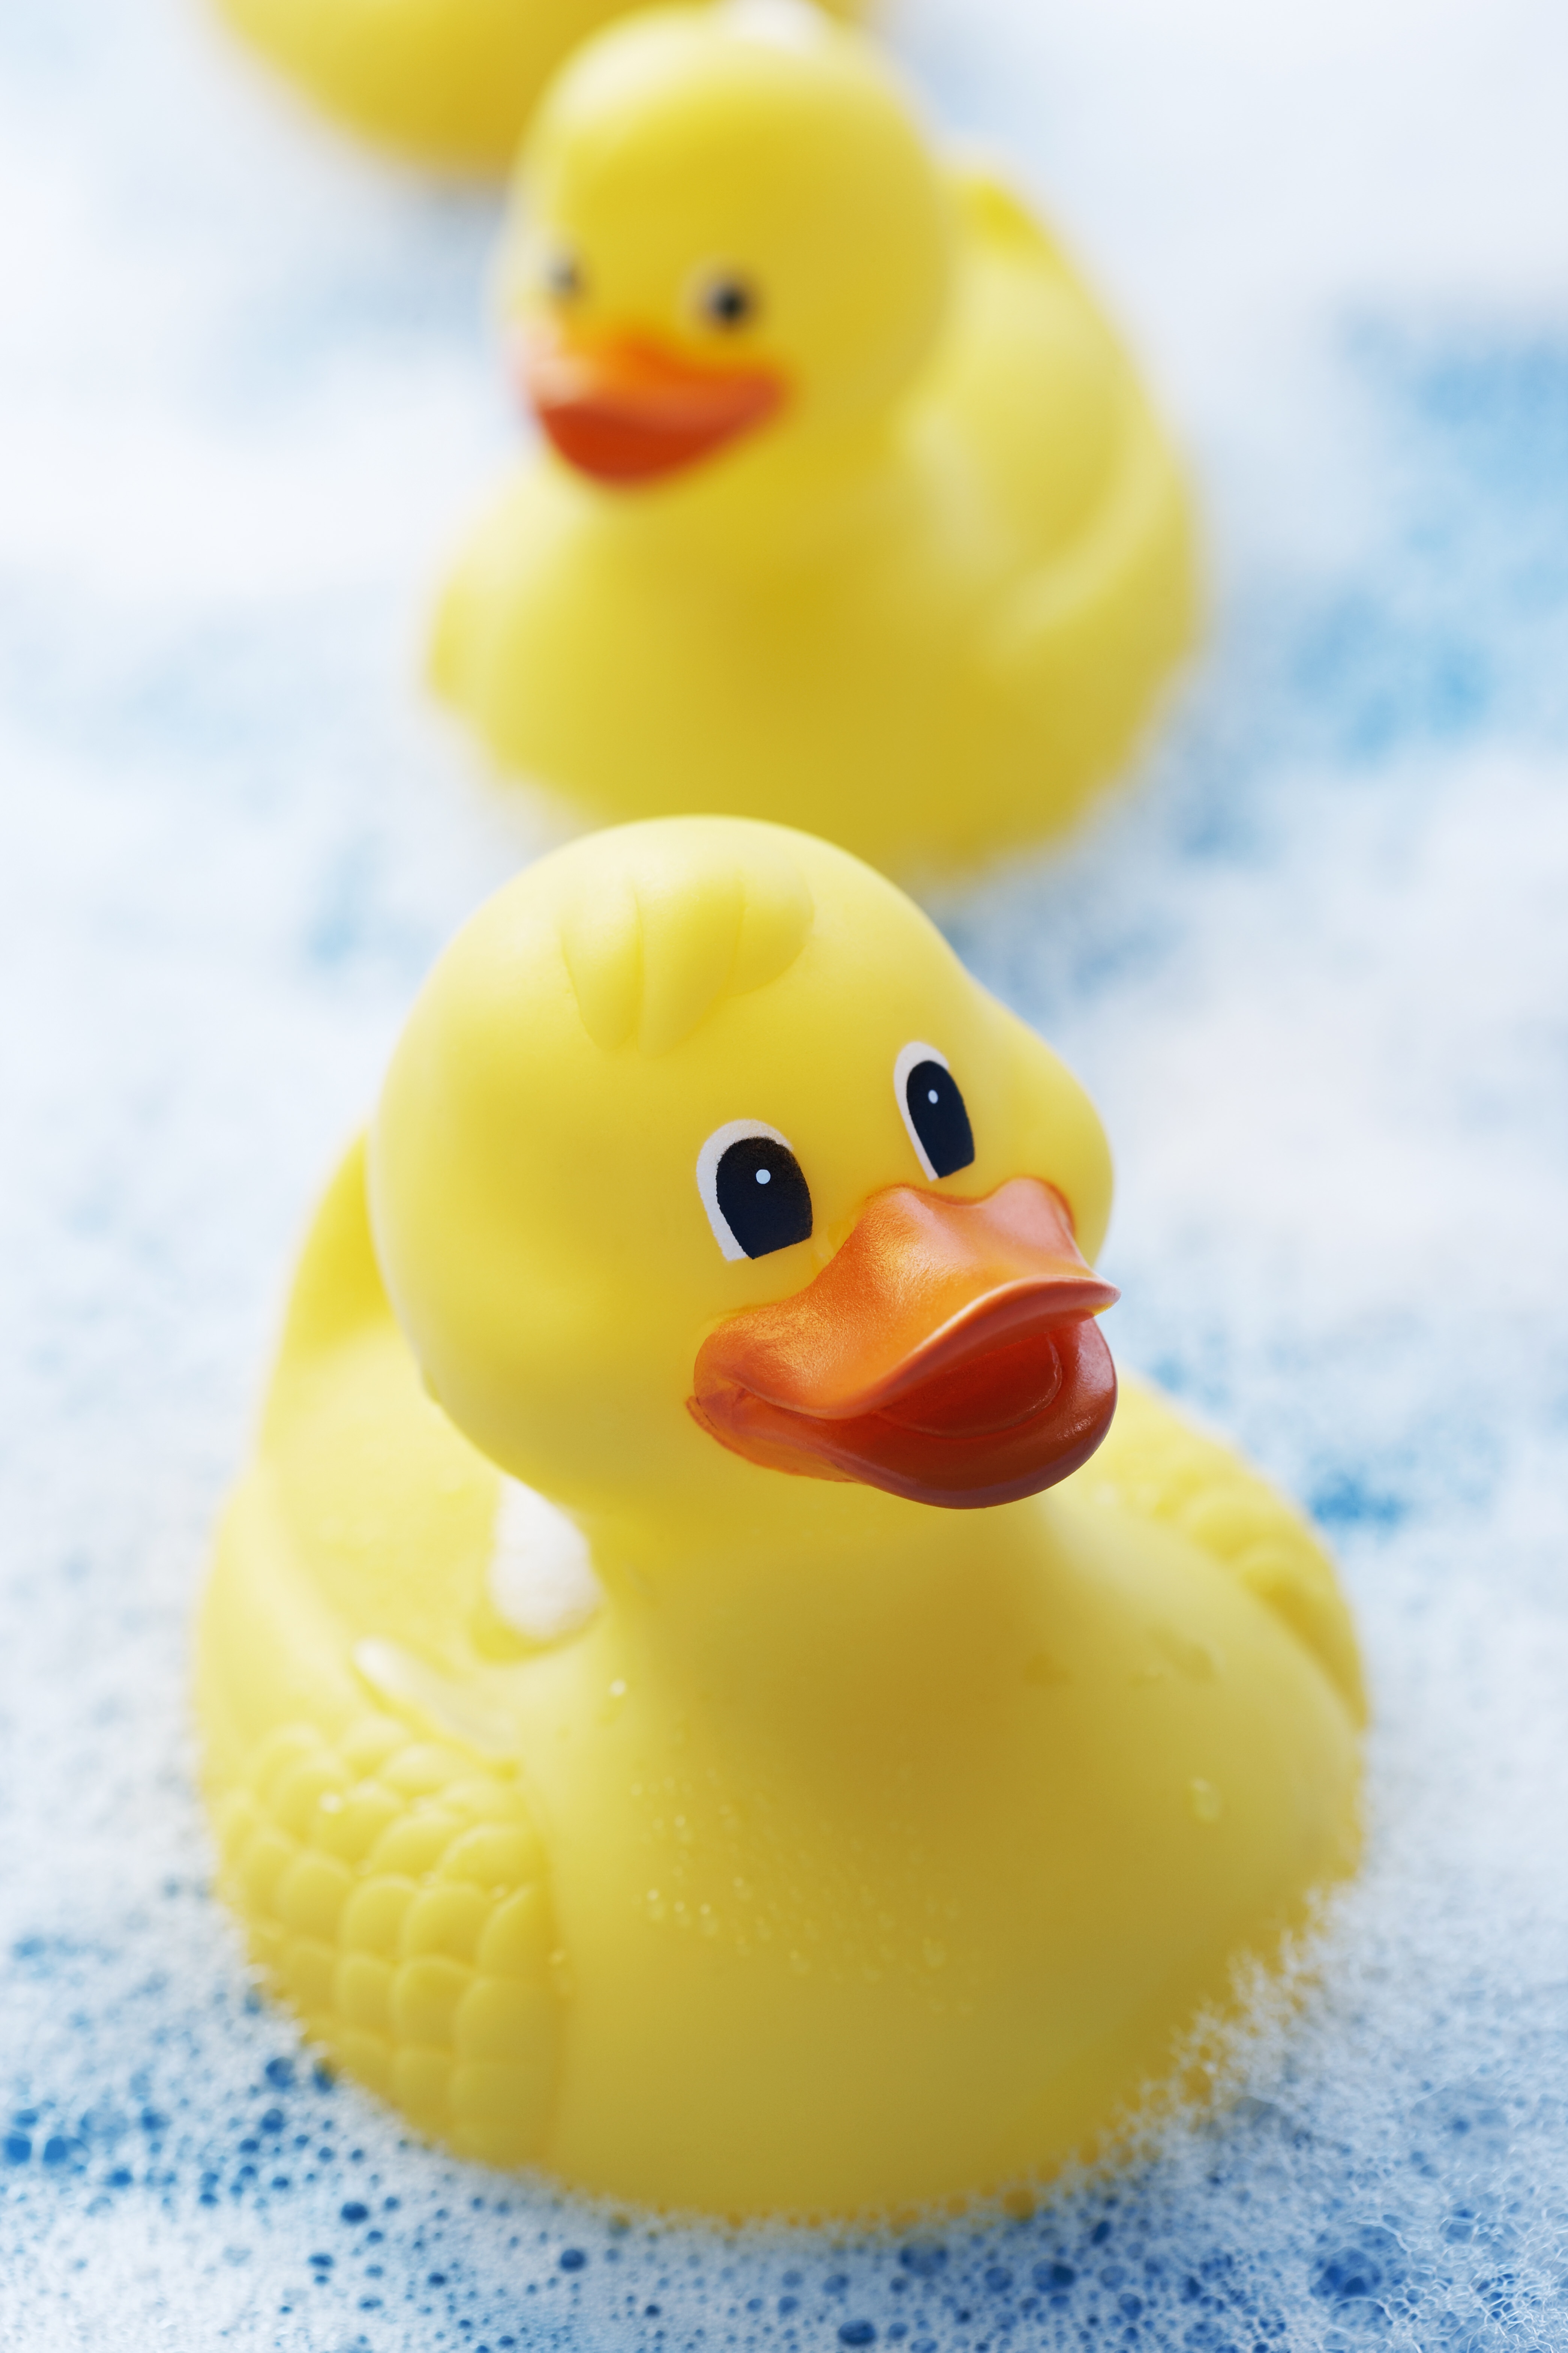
x=653, y=946
x=394, y=1890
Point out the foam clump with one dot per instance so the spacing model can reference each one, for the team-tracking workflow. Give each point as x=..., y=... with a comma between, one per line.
x=1311, y=971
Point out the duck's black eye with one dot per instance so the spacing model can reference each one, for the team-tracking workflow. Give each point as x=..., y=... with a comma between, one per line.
x=934, y=1112
x=762, y=1198
x=563, y=277
x=727, y=301
x=756, y=1198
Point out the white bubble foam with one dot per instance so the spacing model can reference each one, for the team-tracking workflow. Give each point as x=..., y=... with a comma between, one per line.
x=1314, y=971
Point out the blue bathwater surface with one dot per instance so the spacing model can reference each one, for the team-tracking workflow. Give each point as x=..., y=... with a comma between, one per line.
x=1313, y=965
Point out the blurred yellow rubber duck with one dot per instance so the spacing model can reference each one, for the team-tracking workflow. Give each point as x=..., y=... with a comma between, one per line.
x=449, y=83
x=851, y=511
x=659, y=1726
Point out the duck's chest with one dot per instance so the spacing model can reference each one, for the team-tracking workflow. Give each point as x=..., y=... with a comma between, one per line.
x=939, y=1814
x=964, y=1866
x=832, y=675
x=687, y=625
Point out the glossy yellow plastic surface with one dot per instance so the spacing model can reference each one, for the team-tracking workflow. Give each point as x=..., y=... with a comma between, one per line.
x=444, y=82
x=921, y=600
x=832, y=1851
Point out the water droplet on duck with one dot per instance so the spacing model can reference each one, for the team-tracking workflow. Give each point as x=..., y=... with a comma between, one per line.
x=1190, y=1654
x=1205, y=1800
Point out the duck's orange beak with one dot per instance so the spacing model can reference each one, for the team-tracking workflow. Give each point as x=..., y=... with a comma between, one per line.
x=947, y=1354
x=625, y=409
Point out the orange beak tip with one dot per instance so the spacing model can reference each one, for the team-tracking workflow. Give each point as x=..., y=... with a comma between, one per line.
x=948, y=1353
x=626, y=410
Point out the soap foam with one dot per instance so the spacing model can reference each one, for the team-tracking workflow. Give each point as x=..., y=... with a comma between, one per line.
x=1312, y=970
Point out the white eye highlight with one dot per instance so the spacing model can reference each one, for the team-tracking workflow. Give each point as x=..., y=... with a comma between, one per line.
x=753, y=1189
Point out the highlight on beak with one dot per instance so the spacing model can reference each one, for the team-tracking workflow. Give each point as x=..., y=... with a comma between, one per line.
x=947, y=1354
x=625, y=409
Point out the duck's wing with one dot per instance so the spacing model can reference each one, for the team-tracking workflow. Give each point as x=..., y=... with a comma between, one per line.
x=394, y=1891
x=1155, y=1465
x=476, y=597
x=451, y=654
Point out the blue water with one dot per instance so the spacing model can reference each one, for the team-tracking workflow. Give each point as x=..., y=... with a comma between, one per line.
x=1313, y=965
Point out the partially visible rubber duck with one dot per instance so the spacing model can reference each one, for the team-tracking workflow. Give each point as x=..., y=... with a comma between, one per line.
x=449, y=83
x=699, y=1695
x=850, y=510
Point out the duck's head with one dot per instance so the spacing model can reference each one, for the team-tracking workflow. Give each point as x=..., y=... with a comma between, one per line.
x=728, y=224
x=703, y=1161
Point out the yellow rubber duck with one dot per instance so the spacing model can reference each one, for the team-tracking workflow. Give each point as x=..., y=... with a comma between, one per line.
x=851, y=511
x=449, y=83
x=685, y=1703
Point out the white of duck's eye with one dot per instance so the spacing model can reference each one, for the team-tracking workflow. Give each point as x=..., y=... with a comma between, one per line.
x=563, y=277
x=727, y=301
x=933, y=1110
x=753, y=1189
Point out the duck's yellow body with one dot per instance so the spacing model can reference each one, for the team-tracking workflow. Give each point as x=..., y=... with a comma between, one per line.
x=852, y=511
x=444, y=82
x=851, y=1852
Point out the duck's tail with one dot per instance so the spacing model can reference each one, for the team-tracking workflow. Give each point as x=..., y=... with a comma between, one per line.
x=1088, y=641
